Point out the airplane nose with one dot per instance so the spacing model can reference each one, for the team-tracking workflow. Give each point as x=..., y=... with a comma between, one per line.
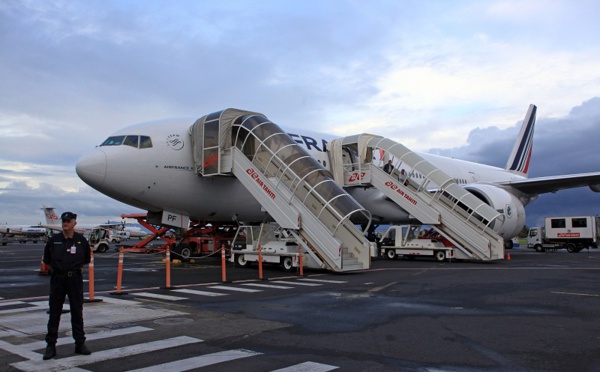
x=91, y=168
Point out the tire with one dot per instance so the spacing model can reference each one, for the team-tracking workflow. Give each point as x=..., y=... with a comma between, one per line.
x=184, y=252
x=571, y=248
x=539, y=248
x=240, y=261
x=287, y=263
x=440, y=256
x=102, y=248
x=390, y=254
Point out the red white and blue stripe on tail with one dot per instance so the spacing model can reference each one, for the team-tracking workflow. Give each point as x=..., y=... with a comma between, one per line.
x=519, y=159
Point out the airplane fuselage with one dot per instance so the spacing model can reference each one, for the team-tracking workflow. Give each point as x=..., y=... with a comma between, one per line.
x=161, y=176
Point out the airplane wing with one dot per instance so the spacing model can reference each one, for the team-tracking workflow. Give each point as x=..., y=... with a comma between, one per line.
x=110, y=225
x=55, y=227
x=542, y=185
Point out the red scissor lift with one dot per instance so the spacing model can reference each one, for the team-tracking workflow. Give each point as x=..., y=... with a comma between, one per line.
x=198, y=240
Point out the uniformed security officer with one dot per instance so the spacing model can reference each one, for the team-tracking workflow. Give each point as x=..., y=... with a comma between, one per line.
x=66, y=253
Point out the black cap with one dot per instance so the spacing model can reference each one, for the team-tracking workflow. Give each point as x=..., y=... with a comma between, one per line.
x=68, y=216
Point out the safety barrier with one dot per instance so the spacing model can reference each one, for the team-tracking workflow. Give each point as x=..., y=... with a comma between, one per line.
x=44, y=269
x=223, y=265
x=168, y=269
x=119, y=274
x=91, y=279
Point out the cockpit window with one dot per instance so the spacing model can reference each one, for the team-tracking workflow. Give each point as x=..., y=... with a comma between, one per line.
x=113, y=141
x=131, y=141
x=145, y=142
x=142, y=142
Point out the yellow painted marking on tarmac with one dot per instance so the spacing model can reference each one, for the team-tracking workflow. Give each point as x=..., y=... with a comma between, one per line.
x=380, y=288
x=577, y=294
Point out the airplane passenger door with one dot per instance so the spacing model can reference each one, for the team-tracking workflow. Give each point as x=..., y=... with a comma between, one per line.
x=210, y=148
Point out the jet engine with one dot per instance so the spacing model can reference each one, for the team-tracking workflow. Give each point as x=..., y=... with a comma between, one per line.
x=504, y=202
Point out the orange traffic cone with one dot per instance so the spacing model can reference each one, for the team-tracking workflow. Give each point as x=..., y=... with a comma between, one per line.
x=44, y=269
x=508, y=257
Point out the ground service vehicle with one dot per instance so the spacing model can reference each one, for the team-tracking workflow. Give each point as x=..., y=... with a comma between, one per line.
x=572, y=233
x=415, y=240
x=276, y=247
x=118, y=236
x=98, y=238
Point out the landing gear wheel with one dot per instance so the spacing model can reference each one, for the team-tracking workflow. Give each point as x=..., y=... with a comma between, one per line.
x=240, y=260
x=288, y=264
x=390, y=254
x=439, y=256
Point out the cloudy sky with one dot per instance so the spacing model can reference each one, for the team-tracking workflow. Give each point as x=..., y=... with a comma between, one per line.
x=451, y=77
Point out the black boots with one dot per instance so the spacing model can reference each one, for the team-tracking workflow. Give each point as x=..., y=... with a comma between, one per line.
x=50, y=352
x=82, y=349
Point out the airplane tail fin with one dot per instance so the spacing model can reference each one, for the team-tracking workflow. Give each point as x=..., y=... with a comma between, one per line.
x=51, y=216
x=518, y=162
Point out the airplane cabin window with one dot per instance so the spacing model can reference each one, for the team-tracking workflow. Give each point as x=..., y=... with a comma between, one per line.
x=113, y=141
x=145, y=142
x=131, y=141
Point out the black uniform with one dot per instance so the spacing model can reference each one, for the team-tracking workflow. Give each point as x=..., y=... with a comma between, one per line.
x=66, y=258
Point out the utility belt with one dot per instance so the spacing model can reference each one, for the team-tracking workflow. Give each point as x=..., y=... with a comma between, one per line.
x=67, y=273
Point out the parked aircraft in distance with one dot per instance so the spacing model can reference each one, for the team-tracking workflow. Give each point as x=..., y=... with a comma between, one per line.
x=53, y=222
x=27, y=230
x=152, y=166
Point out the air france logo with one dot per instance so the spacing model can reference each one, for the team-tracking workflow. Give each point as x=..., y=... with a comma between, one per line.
x=175, y=142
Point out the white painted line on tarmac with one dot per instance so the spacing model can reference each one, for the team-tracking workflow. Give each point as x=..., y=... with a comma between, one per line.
x=89, y=337
x=235, y=289
x=296, y=283
x=11, y=303
x=117, y=301
x=324, y=281
x=98, y=356
x=307, y=367
x=200, y=293
x=199, y=361
x=159, y=296
x=267, y=285
x=36, y=306
x=101, y=314
x=20, y=351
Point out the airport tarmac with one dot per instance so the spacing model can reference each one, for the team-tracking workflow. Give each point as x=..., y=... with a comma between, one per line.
x=535, y=312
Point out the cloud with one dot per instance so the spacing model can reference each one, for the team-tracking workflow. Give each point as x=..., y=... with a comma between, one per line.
x=422, y=73
x=563, y=145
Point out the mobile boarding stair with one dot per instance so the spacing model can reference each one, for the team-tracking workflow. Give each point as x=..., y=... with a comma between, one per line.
x=435, y=200
x=298, y=193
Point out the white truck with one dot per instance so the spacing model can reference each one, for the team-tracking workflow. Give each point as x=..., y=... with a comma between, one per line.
x=572, y=233
x=118, y=236
x=416, y=241
x=276, y=247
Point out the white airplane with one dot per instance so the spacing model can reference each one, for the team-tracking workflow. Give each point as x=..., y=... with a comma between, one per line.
x=135, y=231
x=151, y=166
x=53, y=222
x=27, y=230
